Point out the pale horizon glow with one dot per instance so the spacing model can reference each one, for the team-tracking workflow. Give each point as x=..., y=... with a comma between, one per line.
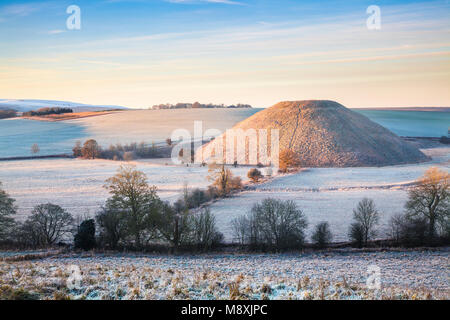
x=140, y=53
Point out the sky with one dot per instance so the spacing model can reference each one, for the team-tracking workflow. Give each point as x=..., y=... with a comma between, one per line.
x=137, y=53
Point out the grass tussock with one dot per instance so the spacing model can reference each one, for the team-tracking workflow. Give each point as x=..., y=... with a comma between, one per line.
x=125, y=278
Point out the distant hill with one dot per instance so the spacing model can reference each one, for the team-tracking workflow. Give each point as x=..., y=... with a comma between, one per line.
x=428, y=109
x=28, y=105
x=327, y=134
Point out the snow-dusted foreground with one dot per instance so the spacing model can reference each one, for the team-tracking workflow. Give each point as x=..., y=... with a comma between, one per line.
x=320, y=275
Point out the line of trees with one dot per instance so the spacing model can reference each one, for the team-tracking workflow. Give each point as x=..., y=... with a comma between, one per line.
x=196, y=105
x=135, y=217
x=47, y=111
x=5, y=114
x=90, y=149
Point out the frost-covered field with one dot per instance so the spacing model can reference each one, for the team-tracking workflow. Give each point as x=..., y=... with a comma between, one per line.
x=18, y=135
x=324, y=194
x=320, y=275
x=327, y=179
x=157, y=125
x=330, y=194
x=77, y=185
x=336, y=207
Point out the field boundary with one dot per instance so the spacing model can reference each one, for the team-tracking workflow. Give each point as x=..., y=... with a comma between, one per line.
x=68, y=156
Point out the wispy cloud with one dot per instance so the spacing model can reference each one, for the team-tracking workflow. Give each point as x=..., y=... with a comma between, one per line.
x=377, y=58
x=57, y=31
x=20, y=10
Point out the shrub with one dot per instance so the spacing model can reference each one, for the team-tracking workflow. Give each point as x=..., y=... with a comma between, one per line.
x=235, y=183
x=415, y=232
x=322, y=235
x=356, y=234
x=223, y=180
x=35, y=148
x=196, y=198
x=366, y=217
x=288, y=159
x=254, y=175
x=407, y=231
x=85, y=237
x=112, y=226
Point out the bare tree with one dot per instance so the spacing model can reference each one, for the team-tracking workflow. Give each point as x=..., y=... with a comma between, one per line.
x=50, y=222
x=91, y=149
x=205, y=230
x=131, y=194
x=77, y=149
x=366, y=217
x=240, y=227
x=223, y=179
x=281, y=223
x=430, y=198
x=254, y=175
x=274, y=223
x=396, y=226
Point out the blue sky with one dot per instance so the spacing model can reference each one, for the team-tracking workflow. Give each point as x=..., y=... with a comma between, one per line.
x=138, y=53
